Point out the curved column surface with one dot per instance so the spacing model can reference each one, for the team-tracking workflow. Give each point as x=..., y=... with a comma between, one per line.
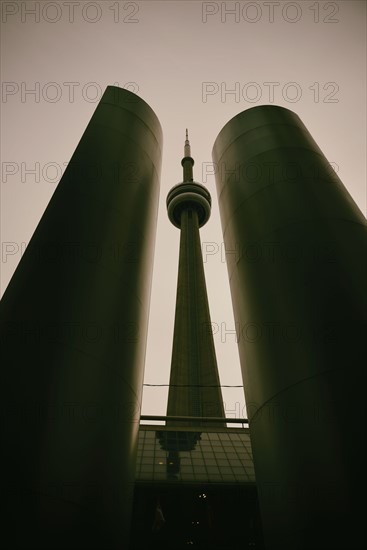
x=74, y=324
x=295, y=248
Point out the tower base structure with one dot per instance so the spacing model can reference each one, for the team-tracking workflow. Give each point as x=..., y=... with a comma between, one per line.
x=295, y=246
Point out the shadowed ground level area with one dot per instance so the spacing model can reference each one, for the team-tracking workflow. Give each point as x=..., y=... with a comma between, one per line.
x=201, y=516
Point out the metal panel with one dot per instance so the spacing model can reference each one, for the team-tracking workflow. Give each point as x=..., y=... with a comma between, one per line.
x=74, y=324
x=295, y=243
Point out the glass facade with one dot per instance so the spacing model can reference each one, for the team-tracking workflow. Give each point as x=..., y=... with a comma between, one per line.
x=220, y=456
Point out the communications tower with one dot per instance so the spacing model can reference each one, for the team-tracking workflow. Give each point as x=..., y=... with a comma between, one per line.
x=194, y=382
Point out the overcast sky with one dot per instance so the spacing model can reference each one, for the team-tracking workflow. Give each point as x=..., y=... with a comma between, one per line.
x=197, y=64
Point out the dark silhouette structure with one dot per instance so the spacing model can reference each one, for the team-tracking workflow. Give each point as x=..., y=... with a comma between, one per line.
x=296, y=245
x=73, y=327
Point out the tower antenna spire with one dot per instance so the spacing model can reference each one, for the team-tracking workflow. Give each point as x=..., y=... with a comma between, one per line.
x=187, y=148
x=187, y=162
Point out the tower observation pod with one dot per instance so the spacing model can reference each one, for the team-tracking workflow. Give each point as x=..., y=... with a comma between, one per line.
x=194, y=381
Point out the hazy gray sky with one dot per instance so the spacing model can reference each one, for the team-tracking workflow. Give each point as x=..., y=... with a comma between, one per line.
x=197, y=64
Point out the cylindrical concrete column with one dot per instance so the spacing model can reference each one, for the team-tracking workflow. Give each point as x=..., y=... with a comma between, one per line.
x=295, y=247
x=74, y=324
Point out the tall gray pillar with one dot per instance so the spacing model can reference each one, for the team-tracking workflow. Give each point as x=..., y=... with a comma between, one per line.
x=73, y=327
x=296, y=244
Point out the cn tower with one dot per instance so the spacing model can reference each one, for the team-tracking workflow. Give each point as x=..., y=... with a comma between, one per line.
x=194, y=381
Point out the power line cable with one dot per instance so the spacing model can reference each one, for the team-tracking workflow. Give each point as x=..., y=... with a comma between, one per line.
x=191, y=386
